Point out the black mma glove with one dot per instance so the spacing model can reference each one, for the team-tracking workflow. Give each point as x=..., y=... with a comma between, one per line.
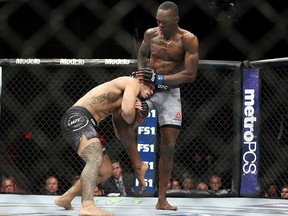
x=141, y=115
x=151, y=76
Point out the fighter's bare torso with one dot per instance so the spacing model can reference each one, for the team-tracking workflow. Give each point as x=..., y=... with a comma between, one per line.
x=104, y=99
x=167, y=55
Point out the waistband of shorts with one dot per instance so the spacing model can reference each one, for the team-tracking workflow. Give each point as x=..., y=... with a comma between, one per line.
x=85, y=112
x=173, y=87
x=169, y=88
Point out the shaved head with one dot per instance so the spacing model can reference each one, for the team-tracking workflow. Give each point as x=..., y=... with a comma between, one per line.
x=169, y=5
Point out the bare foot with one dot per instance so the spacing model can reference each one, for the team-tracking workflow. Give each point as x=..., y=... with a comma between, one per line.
x=89, y=209
x=165, y=206
x=62, y=202
x=95, y=212
x=139, y=173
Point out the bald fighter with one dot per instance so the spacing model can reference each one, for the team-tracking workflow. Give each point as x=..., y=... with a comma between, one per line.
x=171, y=53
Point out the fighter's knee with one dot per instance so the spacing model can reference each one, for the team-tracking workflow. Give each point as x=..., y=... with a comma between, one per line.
x=92, y=151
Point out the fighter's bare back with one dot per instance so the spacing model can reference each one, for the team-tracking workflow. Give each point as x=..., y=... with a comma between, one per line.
x=104, y=99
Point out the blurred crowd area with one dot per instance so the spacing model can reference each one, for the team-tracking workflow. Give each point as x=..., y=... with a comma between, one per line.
x=227, y=29
x=213, y=186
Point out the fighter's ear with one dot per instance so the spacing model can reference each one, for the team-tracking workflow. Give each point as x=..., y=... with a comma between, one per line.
x=177, y=19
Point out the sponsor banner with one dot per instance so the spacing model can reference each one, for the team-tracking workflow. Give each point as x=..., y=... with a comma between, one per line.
x=72, y=62
x=117, y=61
x=64, y=61
x=250, y=133
x=27, y=61
x=146, y=148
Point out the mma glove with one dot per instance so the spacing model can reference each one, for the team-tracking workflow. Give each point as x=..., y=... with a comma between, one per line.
x=149, y=77
x=141, y=115
x=152, y=77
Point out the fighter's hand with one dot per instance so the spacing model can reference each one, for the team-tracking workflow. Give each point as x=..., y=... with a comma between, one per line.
x=142, y=110
x=150, y=76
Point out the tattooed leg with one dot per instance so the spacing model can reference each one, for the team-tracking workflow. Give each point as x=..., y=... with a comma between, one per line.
x=65, y=199
x=92, y=155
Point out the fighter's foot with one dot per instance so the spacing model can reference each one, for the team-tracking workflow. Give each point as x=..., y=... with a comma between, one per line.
x=140, y=173
x=93, y=211
x=165, y=206
x=62, y=202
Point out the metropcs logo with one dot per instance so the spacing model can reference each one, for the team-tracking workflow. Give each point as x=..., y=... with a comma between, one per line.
x=249, y=157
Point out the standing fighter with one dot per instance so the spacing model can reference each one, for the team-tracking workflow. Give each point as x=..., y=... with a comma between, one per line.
x=173, y=54
x=79, y=126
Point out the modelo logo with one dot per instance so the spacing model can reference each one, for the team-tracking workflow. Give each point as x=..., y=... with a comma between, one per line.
x=249, y=157
x=28, y=61
x=72, y=61
x=117, y=61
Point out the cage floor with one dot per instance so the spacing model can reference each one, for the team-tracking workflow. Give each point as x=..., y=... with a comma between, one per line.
x=44, y=206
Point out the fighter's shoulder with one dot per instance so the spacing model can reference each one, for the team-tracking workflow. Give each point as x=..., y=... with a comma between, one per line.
x=151, y=32
x=125, y=80
x=190, y=40
x=187, y=34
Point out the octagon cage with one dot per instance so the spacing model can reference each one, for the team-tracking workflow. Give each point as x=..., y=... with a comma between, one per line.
x=36, y=93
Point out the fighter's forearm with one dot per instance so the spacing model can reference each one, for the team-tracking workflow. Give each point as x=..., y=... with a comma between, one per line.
x=142, y=61
x=179, y=78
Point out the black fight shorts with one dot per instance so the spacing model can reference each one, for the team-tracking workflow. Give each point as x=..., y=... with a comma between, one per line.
x=76, y=122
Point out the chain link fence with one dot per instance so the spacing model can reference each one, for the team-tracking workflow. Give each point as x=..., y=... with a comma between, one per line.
x=274, y=122
x=35, y=97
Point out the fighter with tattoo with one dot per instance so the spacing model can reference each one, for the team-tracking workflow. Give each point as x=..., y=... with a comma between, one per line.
x=172, y=56
x=119, y=98
x=168, y=56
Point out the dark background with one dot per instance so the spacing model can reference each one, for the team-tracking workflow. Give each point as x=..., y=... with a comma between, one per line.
x=226, y=29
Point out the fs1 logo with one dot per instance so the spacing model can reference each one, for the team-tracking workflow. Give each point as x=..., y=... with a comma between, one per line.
x=146, y=130
x=145, y=147
x=149, y=182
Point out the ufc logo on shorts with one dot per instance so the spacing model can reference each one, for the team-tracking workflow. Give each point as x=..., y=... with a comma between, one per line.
x=74, y=121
